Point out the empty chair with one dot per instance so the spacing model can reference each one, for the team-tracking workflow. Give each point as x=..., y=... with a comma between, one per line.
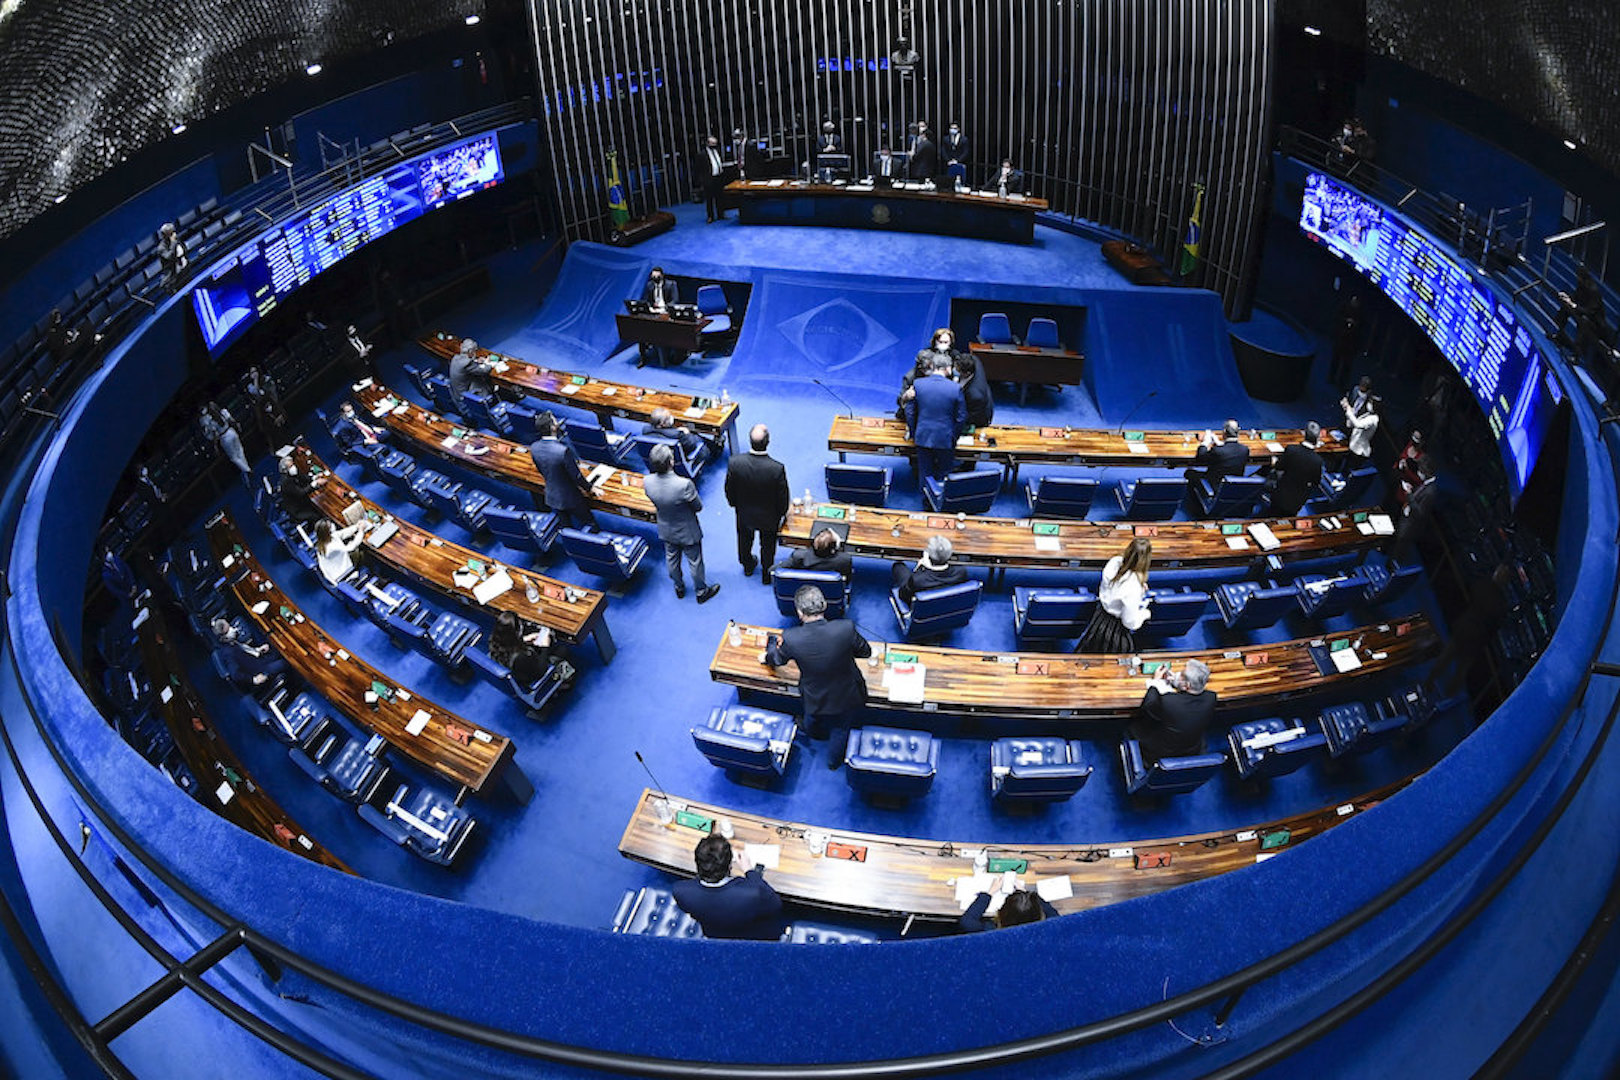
x=1349, y=488
x=424, y=482
x=1042, y=333
x=521, y=530
x=593, y=442
x=1262, y=749
x=1175, y=611
x=459, y=503
x=440, y=395
x=394, y=468
x=288, y=716
x=426, y=823
x=1254, y=605
x=400, y=613
x=1048, y=614
x=711, y=301
x=1231, y=497
x=449, y=636
x=348, y=767
x=809, y=933
x=891, y=763
x=786, y=581
x=1353, y=728
x=1151, y=498
x=613, y=556
x=490, y=413
x=963, y=492
x=936, y=612
x=654, y=913
x=1388, y=580
x=419, y=379
x=1038, y=770
x=1323, y=597
x=862, y=485
x=689, y=465
x=1168, y=775
x=1060, y=496
x=994, y=329
x=745, y=740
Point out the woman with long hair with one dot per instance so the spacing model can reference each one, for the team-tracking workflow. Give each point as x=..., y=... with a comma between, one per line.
x=1122, y=601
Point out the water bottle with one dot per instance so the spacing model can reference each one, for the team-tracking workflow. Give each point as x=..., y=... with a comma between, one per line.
x=1001, y=190
x=733, y=634
x=530, y=591
x=725, y=398
x=809, y=501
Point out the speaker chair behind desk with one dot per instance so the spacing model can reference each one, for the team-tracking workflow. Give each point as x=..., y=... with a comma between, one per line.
x=687, y=465
x=861, y=485
x=593, y=442
x=521, y=530
x=785, y=581
x=995, y=329
x=425, y=822
x=747, y=742
x=1037, y=770
x=1266, y=749
x=1228, y=497
x=1042, y=333
x=934, y=613
x=1051, y=614
x=1151, y=498
x=1167, y=776
x=712, y=302
x=971, y=492
x=1061, y=496
x=613, y=556
x=1254, y=605
x=348, y=766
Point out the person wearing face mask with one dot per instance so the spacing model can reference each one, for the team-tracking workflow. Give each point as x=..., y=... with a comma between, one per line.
x=954, y=151
x=941, y=346
x=1006, y=179
x=711, y=168
x=924, y=154
x=660, y=294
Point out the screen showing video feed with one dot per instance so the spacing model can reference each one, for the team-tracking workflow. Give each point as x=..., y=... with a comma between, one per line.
x=459, y=171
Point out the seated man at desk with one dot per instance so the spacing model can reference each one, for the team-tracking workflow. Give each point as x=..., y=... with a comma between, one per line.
x=296, y=491
x=742, y=908
x=1005, y=180
x=661, y=294
x=887, y=168
x=824, y=553
x=469, y=372
x=663, y=423
x=1018, y=907
x=1175, y=712
x=933, y=571
x=349, y=431
x=1219, y=456
x=247, y=664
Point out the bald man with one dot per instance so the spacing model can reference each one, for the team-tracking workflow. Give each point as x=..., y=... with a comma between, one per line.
x=757, y=488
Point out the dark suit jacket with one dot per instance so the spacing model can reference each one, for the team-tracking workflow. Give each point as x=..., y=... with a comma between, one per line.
x=974, y=918
x=744, y=907
x=468, y=373
x=757, y=487
x=1219, y=462
x=954, y=151
x=559, y=468
x=1015, y=183
x=836, y=146
x=297, y=498
x=1172, y=725
x=671, y=293
x=924, y=159
x=981, y=405
x=347, y=434
x=690, y=443
x=920, y=579
x=830, y=680
x=806, y=559
x=897, y=167
x=1298, y=472
x=703, y=165
x=753, y=160
x=936, y=416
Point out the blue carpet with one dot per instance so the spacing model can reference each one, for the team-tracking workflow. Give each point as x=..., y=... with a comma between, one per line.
x=556, y=858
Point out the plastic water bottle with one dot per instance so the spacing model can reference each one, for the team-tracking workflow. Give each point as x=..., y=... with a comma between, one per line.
x=725, y=398
x=809, y=501
x=733, y=634
x=1001, y=190
x=530, y=591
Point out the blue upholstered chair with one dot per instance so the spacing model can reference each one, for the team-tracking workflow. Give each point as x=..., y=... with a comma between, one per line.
x=994, y=329
x=1414, y=702
x=862, y=485
x=593, y=442
x=963, y=492
x=1061, y=496
x=459, y=503
x=348, y=767
x=423, y=482
x=1323, y=597
x=785, y=581
x=449, y=636
x=1388, y=580
x=392, y=467
x=1042, y=333
x=1230, y=497
x=534, y=699
x=1037, y=770
x=1174, y=612
x=1049, y=614
x=613, y=556
x=1151, y=498
x=891, y=763
x=809, y=933
x=1263, y=749
x=440, y=395
x=654, y=913
x=1353, y=728
x=289, y=716
x=425, y=822
x=521, y=530
x=745, y=740
x=489, y=413
x=1254, y=605
x=933, y=613
x=1167, y=776
x=1347, y=489
x=687, y=465
x=418, y=377
x=711, y=301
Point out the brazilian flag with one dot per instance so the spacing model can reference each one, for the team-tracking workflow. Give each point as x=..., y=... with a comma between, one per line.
x=1195, y=233
x=618, y=205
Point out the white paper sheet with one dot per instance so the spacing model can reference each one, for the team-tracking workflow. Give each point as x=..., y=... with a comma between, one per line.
x=418, y=722
x=768, y=856
x=1053, y=889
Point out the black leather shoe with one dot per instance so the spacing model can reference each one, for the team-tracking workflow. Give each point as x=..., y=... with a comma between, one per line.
x=749, y=568
x=680, y=592
x=765, y=577
x=834, y=763
x=705, y=595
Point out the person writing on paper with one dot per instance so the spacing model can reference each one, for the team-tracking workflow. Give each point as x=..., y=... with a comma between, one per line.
x=334, y=547
x=1298, y=473
x=824, y=553
x=831, y=686
x=743, y=908
x=1175, y=712
x=1362, y=420
x=1219, y=456
x=1122, y=601
x=933, y=571
x=1018, y=907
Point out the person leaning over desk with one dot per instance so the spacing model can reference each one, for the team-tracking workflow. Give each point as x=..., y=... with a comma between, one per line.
x=744, y=908
x=1122, y=601
x=1019, y=906
x=334, y=548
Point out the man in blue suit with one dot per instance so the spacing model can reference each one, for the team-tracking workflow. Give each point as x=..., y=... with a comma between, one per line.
x=935, y=415
x=353, y=434
x=726, y=907
x=567, y=494
x=831, y=685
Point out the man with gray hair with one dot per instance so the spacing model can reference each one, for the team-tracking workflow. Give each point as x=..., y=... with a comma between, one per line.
x=1220, y=456
x=757, y=488
x=1297, y=475
x=468, y=371
x=1175, y=712
x=676, y=500
x=933, y=571
x=831, y=685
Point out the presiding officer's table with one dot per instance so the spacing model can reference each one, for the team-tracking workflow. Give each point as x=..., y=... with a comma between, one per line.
x=901, y=876
x=429, y=734
x=1025, y=364
x=1057, y=687
x=982, y=215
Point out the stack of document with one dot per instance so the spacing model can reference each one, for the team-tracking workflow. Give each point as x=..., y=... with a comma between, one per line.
x=905, y=682
x=485, y=591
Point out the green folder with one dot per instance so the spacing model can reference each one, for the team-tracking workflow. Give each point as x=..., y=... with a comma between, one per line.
x=1045, y=528
x=1269, y=436
x=578, y=380
x=1342, y=643
x=381, y=690
x=1231, y=530
x=837, y=513
x=900, y=657
x=1272, y=840
x=1001, y=866
x=694, y=821
x=1359, y=516
x=1135, y=436
x=459, y=433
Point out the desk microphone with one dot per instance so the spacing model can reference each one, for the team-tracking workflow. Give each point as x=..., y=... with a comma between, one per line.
x=850, y=413
x=656, y=785
x=1151, y=394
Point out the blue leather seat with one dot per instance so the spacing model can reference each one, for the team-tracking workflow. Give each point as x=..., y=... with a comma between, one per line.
x=1348, y=489
x=1061, y=496
x=862, y=485
x=1037, y=770
x=440, y=394
x=1042, y=333
x=1174, y=612
x=521, y=530
x=936, y=612
x=1231, y=497
x=400, y=613
x=394, y=468
x=593, y=442
x=711, y=301
x=449, y=636
x=1353, y=728
x=534, y=699
x=1323, y=597
x=1048, y=614
x=687, y=465
x=341, y=763
x=1388, y=580
x=741, y=739
x=1167, y=776
x=1257, y=757
x=1151, y=498
x=994, y=329
x=654, y=913
x=785, y=581
x=891, y=762
x=423, y=482
x=963, y=492
x=489, y=413
x=613, y=556
x=1254, y=605
x=418, y=377
x=288, y=716
x=809, y=933
x=1414, y=703
x=127, y=688
x=425, y=822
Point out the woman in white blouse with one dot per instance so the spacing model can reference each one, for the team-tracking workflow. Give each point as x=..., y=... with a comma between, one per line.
x=1362, y=420
x=332, y=548
x=1122, y=601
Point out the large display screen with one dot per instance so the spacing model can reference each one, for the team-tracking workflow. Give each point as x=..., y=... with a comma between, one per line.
x=1474, y=328
x=254, y=279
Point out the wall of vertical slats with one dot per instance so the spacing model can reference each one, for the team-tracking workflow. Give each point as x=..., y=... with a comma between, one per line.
x=1114, y=109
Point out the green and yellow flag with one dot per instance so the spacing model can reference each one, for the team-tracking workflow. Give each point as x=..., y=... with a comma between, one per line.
x=618, y=205
x=1195, y=233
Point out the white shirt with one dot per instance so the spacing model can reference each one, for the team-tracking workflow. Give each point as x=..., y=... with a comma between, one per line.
x=1361, y=432
x=1126, y=598
x=714, y=162
x=334, y=559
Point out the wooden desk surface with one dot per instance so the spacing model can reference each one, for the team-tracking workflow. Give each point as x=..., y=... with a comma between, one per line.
x=425, y=557
x=343, y=679
x=982, y=348
x=905, y=876
x=426, y=431
x=751, y=188
x=1056, y=445
x=224, y=784
x=595, y=395
x=998, y=542
x=1063, y=686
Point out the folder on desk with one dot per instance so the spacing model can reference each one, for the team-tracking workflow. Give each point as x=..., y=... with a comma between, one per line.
x=599, y=474
x=906, y=682
x=418, y=722
x=485, y=591
x=1264, y=536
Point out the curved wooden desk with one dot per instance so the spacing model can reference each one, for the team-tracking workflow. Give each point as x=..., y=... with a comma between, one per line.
x=981, y=214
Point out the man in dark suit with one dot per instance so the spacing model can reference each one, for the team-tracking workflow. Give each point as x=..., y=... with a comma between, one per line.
x=830, y=141
x=1174, y=714
x=757, y=489
x=1417, y=513
x=824, y=553
x=933, y=571
x=469, y=372
x=676, y=500
x=885, y=166
x=567, y=494
x=711, y=170
x=750, y=159
x=924, y=154
x=359, y=352
x=350, y=432
x=935, y=416
x=662, y=422
x=1219, y=456
x=1005, y=176
x=831, y=686
x=954, y=148
x=743, y=908
x=296, y=492
x=661, y=294
x=1297, y=474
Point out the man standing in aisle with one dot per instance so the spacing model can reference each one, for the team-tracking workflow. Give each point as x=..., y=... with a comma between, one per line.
x=712, y=169
x=676, y=500
x=935, y=415
x=757, y=488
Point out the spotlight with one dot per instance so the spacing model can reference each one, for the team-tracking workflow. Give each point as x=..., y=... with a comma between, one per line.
x=62, y=198
x=472, y=20
x=313, y=69
x=1313, y=31
x=1569, y=144
x=178, y=129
